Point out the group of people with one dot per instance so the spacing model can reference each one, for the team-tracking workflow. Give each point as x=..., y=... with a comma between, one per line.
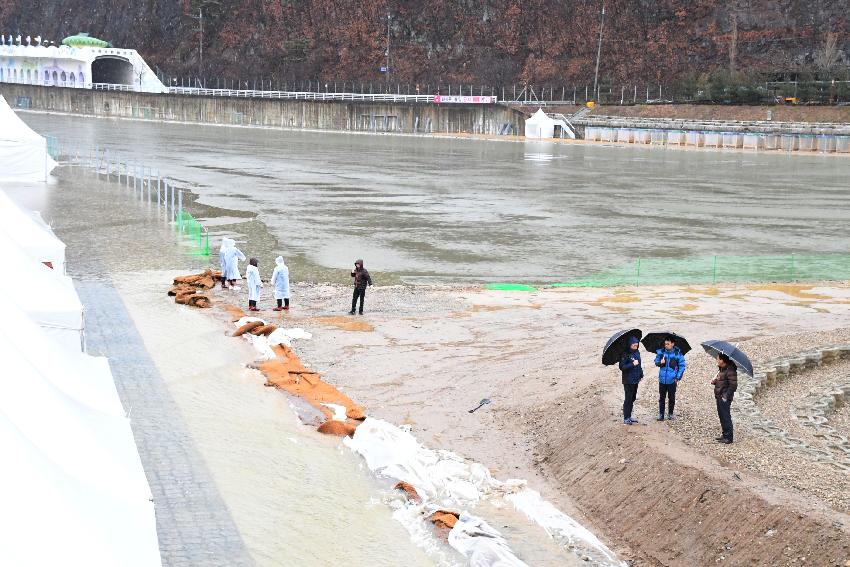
x=671, y=364
x=230, y=256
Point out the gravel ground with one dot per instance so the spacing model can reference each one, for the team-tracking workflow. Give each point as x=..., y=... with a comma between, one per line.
x=840, y=419
x=697, y=421
x=778, y=401
x=335, y=299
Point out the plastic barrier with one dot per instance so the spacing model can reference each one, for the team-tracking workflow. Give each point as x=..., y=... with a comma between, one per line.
x=720, y=269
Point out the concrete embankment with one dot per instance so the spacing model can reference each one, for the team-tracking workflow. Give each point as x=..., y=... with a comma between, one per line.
x=354, y=116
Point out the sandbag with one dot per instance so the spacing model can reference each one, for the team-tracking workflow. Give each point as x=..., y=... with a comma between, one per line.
x=339, y=428
x=247, y=327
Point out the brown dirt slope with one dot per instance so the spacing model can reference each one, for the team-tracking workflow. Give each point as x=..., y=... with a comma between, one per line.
x=666, y=511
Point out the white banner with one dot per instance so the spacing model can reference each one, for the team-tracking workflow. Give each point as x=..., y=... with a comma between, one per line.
x=456, y=99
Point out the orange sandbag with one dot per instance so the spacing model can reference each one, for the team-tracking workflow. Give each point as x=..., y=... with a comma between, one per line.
x=246, y=328
x=198, y=300
x=264, y=329
x=355, y=412
x=409, y=490
x=340, y=428
x=444, y=519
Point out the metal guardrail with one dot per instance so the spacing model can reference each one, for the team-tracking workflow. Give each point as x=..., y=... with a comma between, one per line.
x=328, y=96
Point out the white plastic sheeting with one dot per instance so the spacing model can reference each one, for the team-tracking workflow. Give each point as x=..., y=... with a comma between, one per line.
x=30, y=235
x=46, y=296
x=280, y=336
x=76, y=493
x=481, y=544
x=446, y=480
x=86, y=379
x=23, y=153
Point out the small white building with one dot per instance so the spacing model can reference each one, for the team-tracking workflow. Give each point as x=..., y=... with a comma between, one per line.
x=541, y=126
x=82, y=67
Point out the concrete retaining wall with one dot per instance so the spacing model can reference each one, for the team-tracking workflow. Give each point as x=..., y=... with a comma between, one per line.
x=408, y=118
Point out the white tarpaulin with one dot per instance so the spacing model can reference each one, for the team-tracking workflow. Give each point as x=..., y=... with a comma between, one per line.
x=30, y=235
x=51, y=517
x=86, y=379
x=446, y=480
x=76, y=490
x=46, y=296
x=23, y=153
x=539, y=125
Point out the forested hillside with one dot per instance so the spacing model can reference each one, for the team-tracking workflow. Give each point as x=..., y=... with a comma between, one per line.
x=493, y=42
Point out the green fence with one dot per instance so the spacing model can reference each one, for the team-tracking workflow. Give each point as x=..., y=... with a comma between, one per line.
x=195, y=232
x=720, y=269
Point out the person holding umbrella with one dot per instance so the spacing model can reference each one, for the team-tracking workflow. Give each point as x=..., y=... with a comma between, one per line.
x=632, y=375
x=622, y=348
x=729, y=360
x=671, y=364
x=725, y=383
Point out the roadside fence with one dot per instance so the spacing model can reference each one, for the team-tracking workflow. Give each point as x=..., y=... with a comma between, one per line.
x=146, y=183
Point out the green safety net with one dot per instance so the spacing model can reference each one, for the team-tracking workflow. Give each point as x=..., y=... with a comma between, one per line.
x=511, y=287
x=195, y=232
x=719, y=269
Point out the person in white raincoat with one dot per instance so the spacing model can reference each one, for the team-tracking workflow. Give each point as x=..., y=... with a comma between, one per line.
x=231, y=255
x=252, y=273
x=280, y=281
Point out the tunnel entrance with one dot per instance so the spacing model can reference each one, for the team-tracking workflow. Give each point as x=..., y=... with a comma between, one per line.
x=112, y=70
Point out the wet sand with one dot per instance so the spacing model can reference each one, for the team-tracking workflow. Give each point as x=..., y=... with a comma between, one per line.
x=435, y=353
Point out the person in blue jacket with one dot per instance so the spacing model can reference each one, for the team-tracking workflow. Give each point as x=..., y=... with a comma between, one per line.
x=671, y=364
x=632, y=375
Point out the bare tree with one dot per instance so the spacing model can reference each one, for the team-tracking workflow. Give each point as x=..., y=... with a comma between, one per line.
x=827, y=56
x=733, y=43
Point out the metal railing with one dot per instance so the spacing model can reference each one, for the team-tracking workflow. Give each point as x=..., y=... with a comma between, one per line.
x=146, y=183
x=304, y=95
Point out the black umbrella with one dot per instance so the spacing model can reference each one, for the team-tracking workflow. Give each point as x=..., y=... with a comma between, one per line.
x=617, y=345
x=654, y=341
x=740, y=359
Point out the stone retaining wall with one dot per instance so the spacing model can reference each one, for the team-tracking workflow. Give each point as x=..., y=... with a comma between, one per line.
x=811, y=413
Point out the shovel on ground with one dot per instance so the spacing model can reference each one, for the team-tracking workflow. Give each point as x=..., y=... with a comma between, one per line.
x=482, y=403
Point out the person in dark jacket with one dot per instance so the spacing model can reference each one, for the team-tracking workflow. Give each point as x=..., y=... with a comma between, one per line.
x=362, y=279
x=671, y=366
x=725, y=384
x=632, y=375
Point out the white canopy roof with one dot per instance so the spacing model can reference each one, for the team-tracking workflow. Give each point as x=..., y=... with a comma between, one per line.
x=86, y=379
x=23, y=153
x=30, y=236
x=47, y=297
x=539, y=125
x=51, y=517
x=74, y=471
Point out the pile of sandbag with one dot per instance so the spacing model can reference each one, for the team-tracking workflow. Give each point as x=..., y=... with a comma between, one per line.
x=186, y=289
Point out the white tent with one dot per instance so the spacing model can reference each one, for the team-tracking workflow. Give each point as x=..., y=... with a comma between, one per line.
x=86, y=379
x=539, y=125
x=47, y=297
x=53, y=518
x=31, y=235
x=23, y=153
x=74, y=469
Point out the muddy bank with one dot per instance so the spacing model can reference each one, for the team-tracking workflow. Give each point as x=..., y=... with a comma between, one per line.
x=555, y=413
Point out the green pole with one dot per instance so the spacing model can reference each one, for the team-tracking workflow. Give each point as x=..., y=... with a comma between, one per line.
x=714, y=271
x=637, y=281
x=207, y=245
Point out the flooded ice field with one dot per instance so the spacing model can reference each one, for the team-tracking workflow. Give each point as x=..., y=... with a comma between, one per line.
x=458, y=210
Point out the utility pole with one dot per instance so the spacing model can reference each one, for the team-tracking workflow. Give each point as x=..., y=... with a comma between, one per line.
x=598, y=54
x=200, y=18
x=388, y=52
